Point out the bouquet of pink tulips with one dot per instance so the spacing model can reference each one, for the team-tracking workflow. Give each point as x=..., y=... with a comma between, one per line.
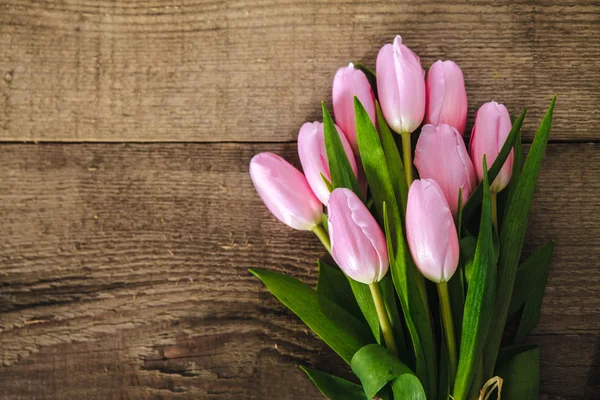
x=429, y=298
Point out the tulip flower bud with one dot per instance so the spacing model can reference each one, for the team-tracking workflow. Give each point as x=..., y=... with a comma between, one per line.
x=350, y=82
x=285, y=191
x=401, y=86
x=446, y=96
x=441, y=155
x=358, y=245
x=313, y=156
x=492, y=126
x=431, y=232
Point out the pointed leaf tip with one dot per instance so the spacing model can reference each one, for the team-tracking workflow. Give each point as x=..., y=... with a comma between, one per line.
x=254, y=272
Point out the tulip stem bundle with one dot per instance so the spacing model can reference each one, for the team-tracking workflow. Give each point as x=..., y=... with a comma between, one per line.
x=448, y=328
x=407, y=158
x=384, y=321
x=323, y=237
x=389, y=232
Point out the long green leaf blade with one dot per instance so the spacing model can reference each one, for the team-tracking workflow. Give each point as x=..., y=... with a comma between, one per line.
x=409, y=284
x=343, y=176
x=333, y=387
x=370, y=76
x=512, y=237
x=333, y=285
x=363, y=296
x=394, y=161
x=336, y=327
x=479, y=302
x=519, y=367
x=339, y=166
x=375, y=367
x=389, y=294
x=529, y=288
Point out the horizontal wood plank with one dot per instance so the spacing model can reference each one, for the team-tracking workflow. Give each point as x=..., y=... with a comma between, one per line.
x=123, y=274
x=240, y=70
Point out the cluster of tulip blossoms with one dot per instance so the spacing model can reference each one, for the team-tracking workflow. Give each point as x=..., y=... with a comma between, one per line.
x=448, y=175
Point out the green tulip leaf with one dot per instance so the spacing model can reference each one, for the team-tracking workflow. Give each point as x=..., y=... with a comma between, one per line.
x=363, y=296
x=514, y=180
x=324, y=223
x=376, y=367
x=343, y=176
x=370, y=76
x=389, y=295
x=529, y=288
x=394, y=161
x=512, y=237
x=519, y=367
x=339, y=166
x=333, y=387
x=333, y=286
x=409, y=283
x=467, y=246
x=328, y=184
x=335, y=326
x=479, y=301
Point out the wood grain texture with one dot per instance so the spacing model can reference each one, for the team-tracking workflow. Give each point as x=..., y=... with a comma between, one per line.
x=123, y=275
x=241, y=70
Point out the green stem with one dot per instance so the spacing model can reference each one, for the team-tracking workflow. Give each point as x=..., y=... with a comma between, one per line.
x=407, y=158
x=384, y=321
x=494, y=198
x=323, y=237
x=448, y=326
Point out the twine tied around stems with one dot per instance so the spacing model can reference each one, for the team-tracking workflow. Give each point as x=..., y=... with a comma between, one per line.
x=489, y=387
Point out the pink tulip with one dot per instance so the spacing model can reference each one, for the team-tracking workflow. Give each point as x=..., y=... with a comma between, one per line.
x=441, y=155
x=350, y=82
x=401, y=86
x=358, y=245
x=313, y=156
x=431, y=232
x=446, y=96
x=492, y=126
x=285, y=191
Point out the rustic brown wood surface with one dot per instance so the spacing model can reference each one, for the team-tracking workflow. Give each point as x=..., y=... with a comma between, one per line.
x=123, y=266
x=256, y=70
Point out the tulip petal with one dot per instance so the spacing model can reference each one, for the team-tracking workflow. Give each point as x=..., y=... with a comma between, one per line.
x=431, y=232
x=357, y=243
x=401, y=86
x=285, y=191
x=350, y=82
x=441, y=155
x=313, y=157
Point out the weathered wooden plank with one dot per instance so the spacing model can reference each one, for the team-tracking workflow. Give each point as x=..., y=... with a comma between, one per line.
x=123, y=274
x=256, y=70
x=216, y=361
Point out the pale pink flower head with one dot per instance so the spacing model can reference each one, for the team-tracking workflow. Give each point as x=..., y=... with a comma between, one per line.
x=285, y=191
x=350, y=82
x=401, y=86
x=492, y=127
x=441, y=155
x=431, y=232
x=446, y=96
x=313, y=157
x=358, y=244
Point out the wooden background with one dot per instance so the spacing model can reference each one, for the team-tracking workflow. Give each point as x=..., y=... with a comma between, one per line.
x=128, y=220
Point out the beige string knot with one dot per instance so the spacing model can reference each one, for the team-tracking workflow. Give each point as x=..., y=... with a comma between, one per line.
x=489, y=387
